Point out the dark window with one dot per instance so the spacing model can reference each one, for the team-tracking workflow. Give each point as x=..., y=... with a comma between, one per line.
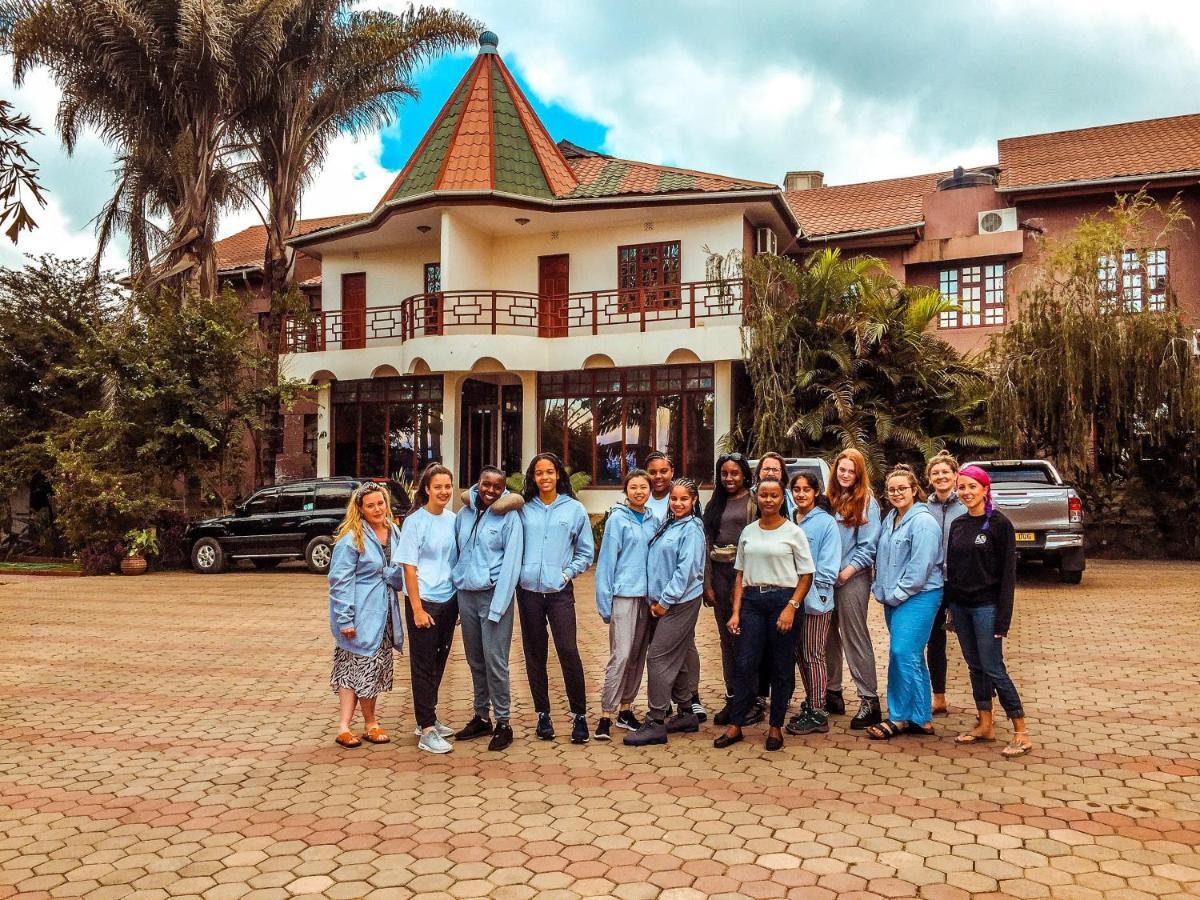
x=295, y=498
x=310, y=435
x=387, y=426
x=604, y=421
x=433, y=277
x=979, y=292
x=333, y=496
x=262, y=503
x=1136, y=282
x=648, y=276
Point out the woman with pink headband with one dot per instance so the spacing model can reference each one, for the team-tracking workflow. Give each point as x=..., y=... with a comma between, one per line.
x=981, y=574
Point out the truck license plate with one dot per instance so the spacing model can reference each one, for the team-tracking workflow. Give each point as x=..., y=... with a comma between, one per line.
x=1026, y=536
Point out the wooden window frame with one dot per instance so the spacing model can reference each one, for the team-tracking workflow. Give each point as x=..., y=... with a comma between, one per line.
x=666, y=290
x=985, y=285
x=1139, y=281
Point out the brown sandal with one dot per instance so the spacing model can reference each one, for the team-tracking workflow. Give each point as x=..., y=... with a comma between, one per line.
x=1017, y=747
x=971, y=738
x=348, y=740
x=376, y=735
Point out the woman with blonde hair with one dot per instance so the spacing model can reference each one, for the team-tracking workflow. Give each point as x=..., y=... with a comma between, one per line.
x=857, y=513
x=364, y=614
x=941, y=473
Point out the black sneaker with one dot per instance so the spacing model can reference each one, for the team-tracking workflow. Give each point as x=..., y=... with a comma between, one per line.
x=501, y=737
x=698, y=710
x=758, y=712
x=627, y=720
x=812, y=722
x=722, y=716
x=835, y=703
x=545, y=728
x=580, y=733
x=603, y=729
x=477, y=727
x=868, y=714
x=683, y=722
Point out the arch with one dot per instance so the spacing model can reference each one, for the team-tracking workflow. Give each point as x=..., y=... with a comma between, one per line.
x=321, y=376
x=385, y=371
x=599, y=361
x=419, y=367
x=488, y=364
x=682, y=355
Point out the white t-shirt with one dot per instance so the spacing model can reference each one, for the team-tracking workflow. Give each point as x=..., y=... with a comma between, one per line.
x=427, y=542
x=659, y=506
x=774, y=558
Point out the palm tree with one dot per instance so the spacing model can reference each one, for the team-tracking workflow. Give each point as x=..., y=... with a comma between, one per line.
x=158, y=80
x=19, y=185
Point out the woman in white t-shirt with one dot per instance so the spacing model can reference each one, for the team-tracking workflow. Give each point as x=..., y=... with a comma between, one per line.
x=774, y=571
x=428, y=553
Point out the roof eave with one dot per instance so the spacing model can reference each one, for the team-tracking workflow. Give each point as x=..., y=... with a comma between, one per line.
x=248, y=269
x=865, y=232
x=1097, y=182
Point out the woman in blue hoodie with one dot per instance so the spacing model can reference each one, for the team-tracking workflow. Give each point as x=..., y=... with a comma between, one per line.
x=825, y=544
x=488, y=535
x=558, y=547
x=621, y=602
x=908, y=582
x=674, y=581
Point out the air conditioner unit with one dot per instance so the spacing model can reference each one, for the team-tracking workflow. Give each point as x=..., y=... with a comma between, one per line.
x=992, y=221
x=765, y=241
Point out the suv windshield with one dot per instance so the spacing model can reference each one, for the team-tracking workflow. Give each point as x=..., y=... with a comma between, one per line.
x=1034, y=474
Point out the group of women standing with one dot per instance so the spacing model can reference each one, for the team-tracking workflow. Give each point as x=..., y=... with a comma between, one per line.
x=788, y=569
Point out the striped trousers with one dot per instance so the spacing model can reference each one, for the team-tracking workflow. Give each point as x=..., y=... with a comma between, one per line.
x=811, y=639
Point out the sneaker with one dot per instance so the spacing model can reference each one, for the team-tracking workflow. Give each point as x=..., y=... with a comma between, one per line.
x=868, y=714
x=432, y=742
x=477, y=727
x=758, y=711
x=603, y=729
x=812, y=722
x=579, y=732
x=835, y=703
x=651, y=732
x=685, y=722
x=545, y=728
x=442, y=729
x=501, y=737
x=627, y=720
x=722, y=716
x=698, y=710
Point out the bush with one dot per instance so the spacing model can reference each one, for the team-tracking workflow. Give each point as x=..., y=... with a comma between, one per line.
x=100, y=557
x=171, y=526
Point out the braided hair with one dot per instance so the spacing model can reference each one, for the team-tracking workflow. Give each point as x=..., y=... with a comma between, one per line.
x=690, y=486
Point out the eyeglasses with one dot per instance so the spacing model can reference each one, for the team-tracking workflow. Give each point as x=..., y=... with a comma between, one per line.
x=900, y=490
x=733, y=457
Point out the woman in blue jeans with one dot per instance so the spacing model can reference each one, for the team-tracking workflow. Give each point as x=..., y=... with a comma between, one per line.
x=981, y=574
x=908, y=582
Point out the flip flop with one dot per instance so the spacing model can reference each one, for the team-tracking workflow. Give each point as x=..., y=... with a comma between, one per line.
x=348, y=740
x=969, y=738
x=1015, y=748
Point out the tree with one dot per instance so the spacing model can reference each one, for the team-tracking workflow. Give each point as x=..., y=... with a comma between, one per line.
x=1091, y=377
x=19, y=183
x=840, y=354
x=161, y=81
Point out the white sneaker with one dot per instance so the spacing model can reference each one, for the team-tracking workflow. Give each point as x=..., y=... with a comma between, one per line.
x=441, y=728
x=432, y=742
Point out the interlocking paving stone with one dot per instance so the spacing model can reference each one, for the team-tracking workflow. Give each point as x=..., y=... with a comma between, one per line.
x=192, y=756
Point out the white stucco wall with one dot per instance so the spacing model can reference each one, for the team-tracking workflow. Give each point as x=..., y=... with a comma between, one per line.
x=392, y=275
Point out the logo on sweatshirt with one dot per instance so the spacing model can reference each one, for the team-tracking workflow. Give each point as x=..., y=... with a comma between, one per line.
x=980, y=539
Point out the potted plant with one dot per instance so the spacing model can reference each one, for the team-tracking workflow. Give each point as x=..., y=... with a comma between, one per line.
x=139, y=543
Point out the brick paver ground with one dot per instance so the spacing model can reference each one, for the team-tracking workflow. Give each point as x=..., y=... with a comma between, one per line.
x=172, y=736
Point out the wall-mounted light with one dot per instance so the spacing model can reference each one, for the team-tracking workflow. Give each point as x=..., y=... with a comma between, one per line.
x=424, y=229
x=521, y=220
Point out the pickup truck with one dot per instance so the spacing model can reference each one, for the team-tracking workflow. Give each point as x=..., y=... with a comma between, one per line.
x=1046, y=514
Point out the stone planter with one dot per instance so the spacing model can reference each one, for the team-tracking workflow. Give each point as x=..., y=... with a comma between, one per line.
x=133, y=565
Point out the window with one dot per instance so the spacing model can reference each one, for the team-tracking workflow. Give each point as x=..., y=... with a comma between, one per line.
x=1136, y=282
x=604, y=421
x=386, y=426
x=979, y=292
x=333, y=496
x=310, y=436
x=649, y=274
x=263, y=503
x=295, y=498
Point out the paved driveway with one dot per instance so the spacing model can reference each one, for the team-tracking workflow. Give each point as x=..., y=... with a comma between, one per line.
x=172, y=735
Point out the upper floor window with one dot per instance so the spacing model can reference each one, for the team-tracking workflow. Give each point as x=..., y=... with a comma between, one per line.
x=979, y=292
x=652, y=269
x=1136, y=282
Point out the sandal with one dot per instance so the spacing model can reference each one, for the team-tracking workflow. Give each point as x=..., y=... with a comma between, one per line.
x=885, y=731
x=914, y=728
x=376, y=735
x=1017, y=747
x=348, y=740
x=972, y=738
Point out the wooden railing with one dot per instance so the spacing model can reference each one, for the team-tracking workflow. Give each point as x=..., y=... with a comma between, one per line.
x=514, y=312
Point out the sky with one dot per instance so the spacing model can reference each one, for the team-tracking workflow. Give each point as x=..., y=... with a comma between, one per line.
x=859, y=89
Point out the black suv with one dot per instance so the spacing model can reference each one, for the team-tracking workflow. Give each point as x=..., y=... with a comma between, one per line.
x=288, y=521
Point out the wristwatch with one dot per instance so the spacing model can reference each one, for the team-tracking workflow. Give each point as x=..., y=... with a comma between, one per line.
x=794, y=604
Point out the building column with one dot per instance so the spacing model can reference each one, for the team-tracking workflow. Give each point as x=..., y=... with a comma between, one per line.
x=451, y=414
x=722, y=402
x=324, y=430
x=529, y=416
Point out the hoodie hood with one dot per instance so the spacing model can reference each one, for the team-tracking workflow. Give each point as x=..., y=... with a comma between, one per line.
x=622, y=509
x=507, y=502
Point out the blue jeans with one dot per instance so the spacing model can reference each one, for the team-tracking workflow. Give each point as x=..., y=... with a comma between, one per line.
x=984, y=653
x=760, y=611
x=909, y=697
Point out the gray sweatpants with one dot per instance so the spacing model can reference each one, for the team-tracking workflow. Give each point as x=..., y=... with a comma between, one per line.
x=486, y=644
x=849, y=633
x=627, y=627
x=667, y=672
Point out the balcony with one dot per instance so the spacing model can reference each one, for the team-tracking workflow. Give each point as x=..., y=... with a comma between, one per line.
x=615, y=311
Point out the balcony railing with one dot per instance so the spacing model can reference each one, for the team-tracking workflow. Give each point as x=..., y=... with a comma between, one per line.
x=515, y=312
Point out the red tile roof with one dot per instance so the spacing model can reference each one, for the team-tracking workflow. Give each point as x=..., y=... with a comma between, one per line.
x=248, y=247
x=606, y=176
x=1151, y=147
x=867, y=206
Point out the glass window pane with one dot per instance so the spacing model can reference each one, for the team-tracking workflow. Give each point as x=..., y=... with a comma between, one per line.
x=402, y=443
x=345, y=439
x=295, y=499
x=373, y=437
x=428, y=417
x=638, y=431
x=607, y=412
x=333, y=496
x=668, y=426
x=698, y=459
x=553, y=416
x=579, y=437
x=262, y=503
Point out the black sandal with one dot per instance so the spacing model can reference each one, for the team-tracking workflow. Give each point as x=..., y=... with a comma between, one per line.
x=885, y=731
x=914, y=728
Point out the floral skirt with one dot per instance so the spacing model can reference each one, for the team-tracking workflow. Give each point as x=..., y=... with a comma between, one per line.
x=367, y=676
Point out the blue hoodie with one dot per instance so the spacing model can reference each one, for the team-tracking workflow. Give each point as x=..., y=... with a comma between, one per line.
x=489, y=549
x=910, y=556
x=558, y=543
x=361, y=588
x=675, y=563
x=859, y=541
x=825, y=544
x=946, y=513
x=621, y=565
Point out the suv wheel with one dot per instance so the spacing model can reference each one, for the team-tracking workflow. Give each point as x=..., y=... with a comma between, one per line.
x=1070, y=576
x=207, y=556
x=318, y=554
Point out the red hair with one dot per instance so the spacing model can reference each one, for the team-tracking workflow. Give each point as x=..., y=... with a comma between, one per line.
x=850, y=505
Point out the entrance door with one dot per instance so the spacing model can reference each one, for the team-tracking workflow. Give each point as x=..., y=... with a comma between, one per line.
x=554, y=283
x=354, y=311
